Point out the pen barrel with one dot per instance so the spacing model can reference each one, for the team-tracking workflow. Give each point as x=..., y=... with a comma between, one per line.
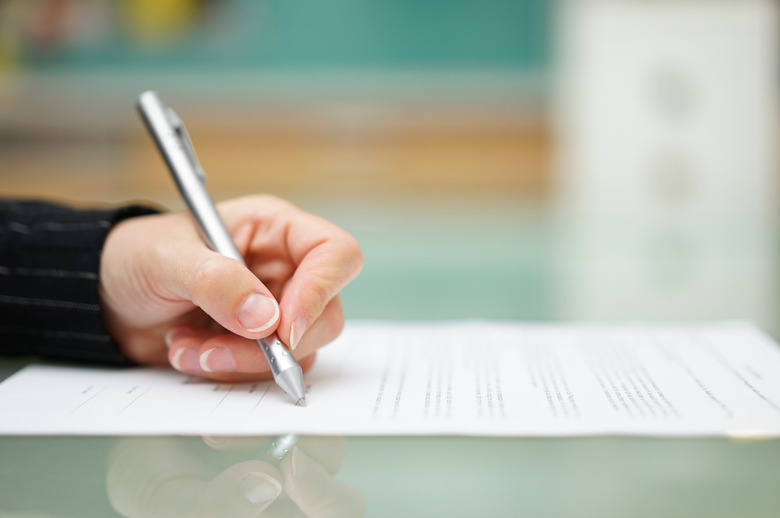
x=203, y=209
x=186, y=173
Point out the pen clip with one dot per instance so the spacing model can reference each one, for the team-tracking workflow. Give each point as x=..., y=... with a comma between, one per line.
x=184, y=136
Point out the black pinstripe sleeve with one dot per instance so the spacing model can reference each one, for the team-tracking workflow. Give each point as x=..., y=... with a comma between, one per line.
x=49, y=263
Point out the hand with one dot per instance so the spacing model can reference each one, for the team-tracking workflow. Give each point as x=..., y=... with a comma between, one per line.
x=160, y=284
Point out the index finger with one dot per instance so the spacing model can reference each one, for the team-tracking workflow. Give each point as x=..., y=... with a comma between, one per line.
x=325, y=265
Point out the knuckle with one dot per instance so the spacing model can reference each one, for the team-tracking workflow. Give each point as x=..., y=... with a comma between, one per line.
x=334, y=320
x=349, y=256
x=318, y=296
x=355, y=252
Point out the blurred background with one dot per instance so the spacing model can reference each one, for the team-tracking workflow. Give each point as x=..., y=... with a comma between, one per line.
x=526, y=159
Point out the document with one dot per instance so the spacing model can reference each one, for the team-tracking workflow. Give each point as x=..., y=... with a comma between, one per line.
x=441, y=378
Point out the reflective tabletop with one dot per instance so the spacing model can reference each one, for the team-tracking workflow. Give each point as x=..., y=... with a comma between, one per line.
x=502, y=260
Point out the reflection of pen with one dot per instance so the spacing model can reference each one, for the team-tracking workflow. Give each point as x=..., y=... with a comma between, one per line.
x=176, y=148
x=276, y=448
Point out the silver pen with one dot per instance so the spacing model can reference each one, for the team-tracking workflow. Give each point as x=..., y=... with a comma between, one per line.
x=176, y=148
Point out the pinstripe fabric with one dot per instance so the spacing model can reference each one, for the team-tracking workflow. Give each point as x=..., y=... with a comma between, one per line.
x=49, y=262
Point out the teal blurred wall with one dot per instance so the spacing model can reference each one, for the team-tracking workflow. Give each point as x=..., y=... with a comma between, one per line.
x=506, y=34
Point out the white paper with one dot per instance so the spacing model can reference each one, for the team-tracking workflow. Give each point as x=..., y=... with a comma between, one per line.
x=464, y=378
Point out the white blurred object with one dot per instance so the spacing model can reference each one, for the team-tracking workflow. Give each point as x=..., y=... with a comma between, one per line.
x=667, y=113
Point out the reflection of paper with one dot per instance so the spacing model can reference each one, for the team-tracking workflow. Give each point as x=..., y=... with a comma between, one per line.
x=466, y=378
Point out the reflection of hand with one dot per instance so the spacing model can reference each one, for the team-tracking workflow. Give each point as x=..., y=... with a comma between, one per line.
x=173, y=477
x=160, y=283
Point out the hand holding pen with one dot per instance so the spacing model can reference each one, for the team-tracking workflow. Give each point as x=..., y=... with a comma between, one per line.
x=160, y=284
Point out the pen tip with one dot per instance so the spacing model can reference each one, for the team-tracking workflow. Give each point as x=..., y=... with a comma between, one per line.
x=301, y=402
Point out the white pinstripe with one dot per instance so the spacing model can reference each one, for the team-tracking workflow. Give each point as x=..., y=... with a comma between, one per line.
x=44, y=272
x=50, y=303
x=48, y=333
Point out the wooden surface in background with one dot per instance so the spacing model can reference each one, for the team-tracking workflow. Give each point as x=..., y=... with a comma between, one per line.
x=445, y=159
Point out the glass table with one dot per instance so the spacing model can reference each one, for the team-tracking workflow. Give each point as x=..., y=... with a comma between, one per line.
x=497, y=260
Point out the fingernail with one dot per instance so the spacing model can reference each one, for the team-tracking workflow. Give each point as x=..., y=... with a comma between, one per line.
x=173, y=334
x=186, y=360
x=258, y=313
x=296, y=332
x=218, y=442
x=217, y=359
x=169, y=336
x=300, y=463
x=260, y=488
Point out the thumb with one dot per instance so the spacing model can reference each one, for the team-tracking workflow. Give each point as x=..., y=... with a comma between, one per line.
x=227, y=291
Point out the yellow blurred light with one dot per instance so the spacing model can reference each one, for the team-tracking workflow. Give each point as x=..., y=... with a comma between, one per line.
x=156, y=22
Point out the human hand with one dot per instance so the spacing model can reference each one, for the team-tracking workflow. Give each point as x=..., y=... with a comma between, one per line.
x=181, y=476
x=161, y=285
